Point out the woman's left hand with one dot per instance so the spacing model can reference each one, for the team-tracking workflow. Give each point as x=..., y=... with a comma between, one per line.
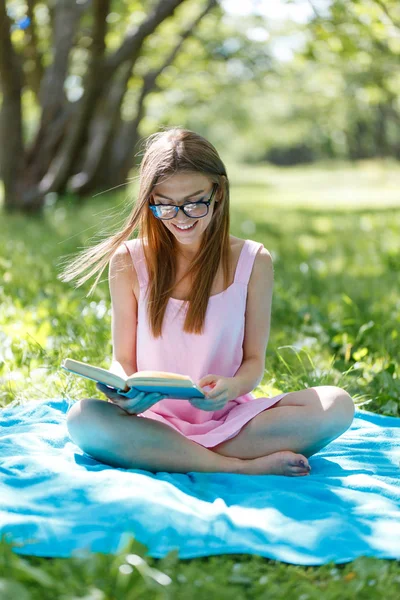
x=223, y=390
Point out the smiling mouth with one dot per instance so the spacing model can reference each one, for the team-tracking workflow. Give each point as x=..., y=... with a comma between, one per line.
x=186, y=228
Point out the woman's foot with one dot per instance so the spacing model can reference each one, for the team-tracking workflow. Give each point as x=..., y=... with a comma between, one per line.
x=279, y=463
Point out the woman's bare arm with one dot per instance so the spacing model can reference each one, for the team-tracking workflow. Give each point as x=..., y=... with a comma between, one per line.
x=122, y=277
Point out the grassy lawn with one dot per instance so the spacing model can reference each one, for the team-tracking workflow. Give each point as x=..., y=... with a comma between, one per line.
x=333, y=232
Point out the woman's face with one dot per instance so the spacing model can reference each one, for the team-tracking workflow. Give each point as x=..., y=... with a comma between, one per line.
x=180, y=189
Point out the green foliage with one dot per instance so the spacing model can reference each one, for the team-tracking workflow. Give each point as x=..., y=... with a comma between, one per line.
x=335, y=320
x=130, y=574
x=358, y=44
x=336, y=93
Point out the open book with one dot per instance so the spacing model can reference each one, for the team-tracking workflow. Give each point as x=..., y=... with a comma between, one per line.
x=170, y=384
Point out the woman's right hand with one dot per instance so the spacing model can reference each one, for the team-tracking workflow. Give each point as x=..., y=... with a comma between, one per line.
x=133, y=406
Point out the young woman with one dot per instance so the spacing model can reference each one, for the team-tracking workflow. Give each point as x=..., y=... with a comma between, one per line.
x=188, y=297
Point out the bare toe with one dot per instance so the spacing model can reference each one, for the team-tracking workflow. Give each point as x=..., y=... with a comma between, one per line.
x=299, y=463
x=279, y=463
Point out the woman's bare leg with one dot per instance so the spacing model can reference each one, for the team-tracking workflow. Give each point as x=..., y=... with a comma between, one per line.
x=110, y=435
x=304, y=421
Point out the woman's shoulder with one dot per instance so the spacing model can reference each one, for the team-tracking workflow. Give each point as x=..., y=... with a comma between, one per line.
x=121, y=256
x=121, y=264
x=132, y=244
x=238, y=243
x=132, y=250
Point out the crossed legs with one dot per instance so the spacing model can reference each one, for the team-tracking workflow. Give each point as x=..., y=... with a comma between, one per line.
x=303, y=421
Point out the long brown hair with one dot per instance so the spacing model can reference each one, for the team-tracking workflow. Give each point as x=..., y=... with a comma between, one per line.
x=168, y=152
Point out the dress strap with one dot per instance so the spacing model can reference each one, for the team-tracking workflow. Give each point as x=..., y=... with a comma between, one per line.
x=136, y=251
x=246, y=261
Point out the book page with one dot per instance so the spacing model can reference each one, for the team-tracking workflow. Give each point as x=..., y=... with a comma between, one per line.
x=159, y=375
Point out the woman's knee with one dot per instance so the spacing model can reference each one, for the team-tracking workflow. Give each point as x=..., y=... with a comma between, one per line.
x=83, y=416
x=344, y=404
x=342, y=412
x=90, y=418
x=81, y=409
x=335, y=414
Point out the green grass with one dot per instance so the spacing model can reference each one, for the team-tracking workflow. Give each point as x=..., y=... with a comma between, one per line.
x=333, y=232
x=324, y=187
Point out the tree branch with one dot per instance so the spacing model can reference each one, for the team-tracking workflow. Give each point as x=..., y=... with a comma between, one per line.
x=58, y=172
x=130, y=47
x=55, y=109
x=66, y=18
x=314, y=9
x=385, y=9
x=127, y=135
x=106, y=122
x=152, y=76
x=31, y=52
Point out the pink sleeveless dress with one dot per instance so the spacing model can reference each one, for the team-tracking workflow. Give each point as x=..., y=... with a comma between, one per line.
x=218, y=351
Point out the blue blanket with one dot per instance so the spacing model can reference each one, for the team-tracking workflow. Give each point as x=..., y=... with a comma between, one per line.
x=55, y=499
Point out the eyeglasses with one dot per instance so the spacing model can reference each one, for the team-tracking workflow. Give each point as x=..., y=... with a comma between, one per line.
x=194, y=210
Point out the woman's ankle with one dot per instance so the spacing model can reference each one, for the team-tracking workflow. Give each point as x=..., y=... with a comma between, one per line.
x=233, y=464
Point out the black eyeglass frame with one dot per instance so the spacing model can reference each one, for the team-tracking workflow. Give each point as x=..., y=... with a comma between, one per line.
x=153, y=209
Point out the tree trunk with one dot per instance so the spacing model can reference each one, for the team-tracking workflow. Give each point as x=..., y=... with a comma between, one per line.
x=11, y=147
x=85, y=145
x=112, y=155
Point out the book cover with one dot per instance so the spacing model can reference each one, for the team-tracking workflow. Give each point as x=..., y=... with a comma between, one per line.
x=173, y=385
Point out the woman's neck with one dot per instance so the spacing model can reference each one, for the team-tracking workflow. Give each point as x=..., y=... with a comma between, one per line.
x=187, y=253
